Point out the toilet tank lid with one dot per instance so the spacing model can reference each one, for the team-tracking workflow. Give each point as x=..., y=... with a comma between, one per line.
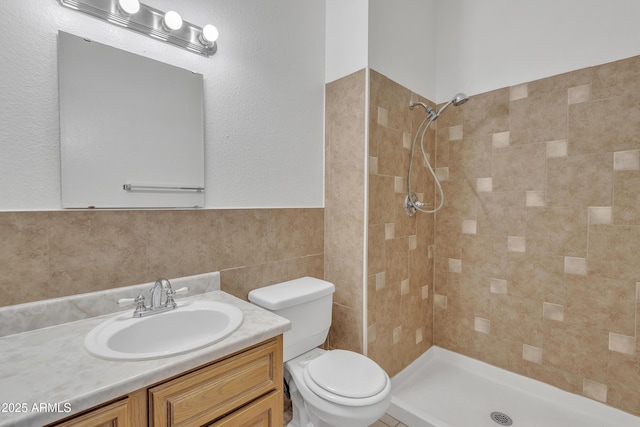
x=293, y=292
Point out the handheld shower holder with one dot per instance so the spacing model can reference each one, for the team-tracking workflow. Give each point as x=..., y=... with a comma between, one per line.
x=411, y=204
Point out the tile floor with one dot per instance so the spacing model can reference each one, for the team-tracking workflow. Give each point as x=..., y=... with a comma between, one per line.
x=386, y=421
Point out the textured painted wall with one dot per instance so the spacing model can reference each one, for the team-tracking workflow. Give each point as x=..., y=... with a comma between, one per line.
x=263, y=98
x=347, y=38
x=536, y=248
x=403, y=41
x=484, y=45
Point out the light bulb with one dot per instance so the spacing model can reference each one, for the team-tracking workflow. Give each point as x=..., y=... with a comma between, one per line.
x=172, y=21
x=129, y=7
x=209, y=35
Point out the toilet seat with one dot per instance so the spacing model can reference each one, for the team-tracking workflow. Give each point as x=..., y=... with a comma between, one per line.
x=346, y=378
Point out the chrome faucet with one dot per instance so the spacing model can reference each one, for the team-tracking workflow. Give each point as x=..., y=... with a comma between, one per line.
x=156, y=293
x=156, y=305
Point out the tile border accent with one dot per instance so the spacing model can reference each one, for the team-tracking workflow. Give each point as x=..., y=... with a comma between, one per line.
x=594, y=390
x=553, y=311
x=484, y=185
x=455, y=265
x=575, y=265
x=498, y=286
x=532, y=354
x=482, y=325
x=622, y=343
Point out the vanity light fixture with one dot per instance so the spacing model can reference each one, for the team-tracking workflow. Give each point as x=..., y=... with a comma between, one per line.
x=128, y=7
x=172, y=21
x=209, y=35
x=168, y=27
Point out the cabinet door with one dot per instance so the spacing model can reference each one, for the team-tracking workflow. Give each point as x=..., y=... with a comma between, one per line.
x=198, y=398
x=264, y=412
x=113, y=415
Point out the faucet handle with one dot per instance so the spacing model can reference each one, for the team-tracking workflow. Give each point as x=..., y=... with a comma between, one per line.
x=139, y=301
x=171, y=292
x=126, y=301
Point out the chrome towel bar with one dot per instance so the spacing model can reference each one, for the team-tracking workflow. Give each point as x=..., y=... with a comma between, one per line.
x=135, y=187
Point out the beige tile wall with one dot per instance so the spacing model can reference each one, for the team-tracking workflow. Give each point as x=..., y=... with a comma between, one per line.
x=52, y=254
x=344, y=206
x=400, y=271
x=537, y=265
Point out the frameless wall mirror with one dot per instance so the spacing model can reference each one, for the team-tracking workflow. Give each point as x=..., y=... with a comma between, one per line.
x=131, y=129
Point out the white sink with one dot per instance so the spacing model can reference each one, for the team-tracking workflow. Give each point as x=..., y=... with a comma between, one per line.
x=191, y=326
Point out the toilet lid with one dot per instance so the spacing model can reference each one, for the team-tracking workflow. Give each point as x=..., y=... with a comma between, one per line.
x=347, y=374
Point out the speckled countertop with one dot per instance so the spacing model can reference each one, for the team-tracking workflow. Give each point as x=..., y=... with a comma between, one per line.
x=46, y=372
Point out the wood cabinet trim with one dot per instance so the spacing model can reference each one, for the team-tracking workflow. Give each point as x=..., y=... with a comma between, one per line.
x=115, y=414
x=258, y=413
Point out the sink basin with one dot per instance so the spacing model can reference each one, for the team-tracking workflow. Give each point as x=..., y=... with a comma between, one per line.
x=193, y=325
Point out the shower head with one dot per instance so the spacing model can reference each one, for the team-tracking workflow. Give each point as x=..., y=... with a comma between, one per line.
x=458, y=99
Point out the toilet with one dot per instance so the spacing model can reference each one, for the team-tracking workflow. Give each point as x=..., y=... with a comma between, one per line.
x=336, y=388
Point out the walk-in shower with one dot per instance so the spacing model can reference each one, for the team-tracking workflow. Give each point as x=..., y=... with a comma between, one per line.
x=412, y=204
x=446, y=389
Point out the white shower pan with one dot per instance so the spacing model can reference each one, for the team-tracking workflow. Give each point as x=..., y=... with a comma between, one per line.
x=445, y=389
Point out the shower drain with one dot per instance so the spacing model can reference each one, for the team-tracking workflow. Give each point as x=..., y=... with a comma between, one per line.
x=501, y=418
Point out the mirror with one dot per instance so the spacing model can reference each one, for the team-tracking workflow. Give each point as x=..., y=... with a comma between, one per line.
x=131, y=129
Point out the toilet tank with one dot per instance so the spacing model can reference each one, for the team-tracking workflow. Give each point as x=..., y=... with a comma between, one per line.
x=306, y=303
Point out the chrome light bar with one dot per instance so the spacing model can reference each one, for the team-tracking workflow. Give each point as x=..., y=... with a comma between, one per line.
x=151, y=22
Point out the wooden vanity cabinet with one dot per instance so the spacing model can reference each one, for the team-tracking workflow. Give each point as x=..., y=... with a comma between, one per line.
x=207, y=394
x=112, y=415
x=128, y=411
x=241, y=390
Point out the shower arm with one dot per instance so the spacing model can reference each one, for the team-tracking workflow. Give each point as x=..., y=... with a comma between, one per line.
x=430, y=111
x=431, y=114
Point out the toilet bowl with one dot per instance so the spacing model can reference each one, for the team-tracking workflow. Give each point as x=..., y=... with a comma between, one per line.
x=355, y=393
x=335, y=388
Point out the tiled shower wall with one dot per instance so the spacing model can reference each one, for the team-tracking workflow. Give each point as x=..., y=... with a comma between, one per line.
x=51, y=254
x=344, y=206
x=537, y=247
x=400, y=268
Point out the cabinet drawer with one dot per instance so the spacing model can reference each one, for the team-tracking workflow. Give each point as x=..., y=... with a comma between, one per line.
x=204, y=395
x=264, y=412
x=114, y=415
